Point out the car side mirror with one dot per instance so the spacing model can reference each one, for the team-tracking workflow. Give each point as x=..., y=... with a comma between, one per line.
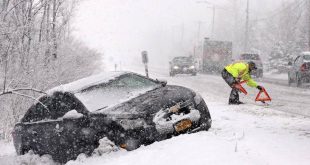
x=162, y=82
x=290, y=63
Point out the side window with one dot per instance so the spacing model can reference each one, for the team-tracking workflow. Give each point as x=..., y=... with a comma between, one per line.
x=37, y=111
x=55, y=106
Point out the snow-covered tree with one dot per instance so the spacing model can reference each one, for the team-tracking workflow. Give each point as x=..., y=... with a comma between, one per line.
x=37, y=53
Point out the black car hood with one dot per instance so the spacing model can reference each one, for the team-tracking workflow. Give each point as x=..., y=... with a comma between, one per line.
x=150, y=102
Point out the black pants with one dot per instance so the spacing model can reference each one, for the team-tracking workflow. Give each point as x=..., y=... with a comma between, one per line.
x=230, y=80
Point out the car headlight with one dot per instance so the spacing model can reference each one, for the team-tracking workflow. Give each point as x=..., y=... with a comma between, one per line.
x=197, y=98
x=175, y=67
x=192, y=67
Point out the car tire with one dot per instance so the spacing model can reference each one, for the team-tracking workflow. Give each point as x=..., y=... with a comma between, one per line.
x=194, y=74
x=205, y=120
x=290, y=81
x=298, y=81
x=171, y=74
x=132, y=144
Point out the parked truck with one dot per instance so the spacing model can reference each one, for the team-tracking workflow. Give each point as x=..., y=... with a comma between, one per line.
x=216, y=55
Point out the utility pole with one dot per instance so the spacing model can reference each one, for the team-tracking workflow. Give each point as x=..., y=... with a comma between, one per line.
x=213, y=20
x=198, y=32
x=236, y=47
x=246, y=35
x=308, y=6
x=213, y=16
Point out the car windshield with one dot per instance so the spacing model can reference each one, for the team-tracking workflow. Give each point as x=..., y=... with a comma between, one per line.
x=119, y=90
x=182, y=60
x=250, y=57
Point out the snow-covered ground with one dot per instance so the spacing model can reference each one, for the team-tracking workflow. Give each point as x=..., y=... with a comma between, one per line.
x=245, y=134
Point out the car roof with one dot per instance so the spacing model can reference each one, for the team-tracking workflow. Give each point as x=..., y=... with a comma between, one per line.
x=181, y=57
x=87, y=82
x=306, y=53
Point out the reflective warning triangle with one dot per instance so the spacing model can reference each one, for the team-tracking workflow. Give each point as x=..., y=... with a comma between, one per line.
x=263, y=96
x=240, y=87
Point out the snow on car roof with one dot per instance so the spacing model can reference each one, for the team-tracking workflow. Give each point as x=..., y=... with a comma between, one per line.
x=86, y=82
x=305, y=53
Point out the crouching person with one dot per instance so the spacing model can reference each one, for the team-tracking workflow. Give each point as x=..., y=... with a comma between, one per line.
x=235, y=73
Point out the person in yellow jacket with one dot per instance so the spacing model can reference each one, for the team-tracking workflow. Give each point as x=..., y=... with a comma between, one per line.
x=234, y=73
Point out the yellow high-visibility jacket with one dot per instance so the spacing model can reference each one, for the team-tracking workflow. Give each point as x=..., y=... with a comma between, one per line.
x=241, y=70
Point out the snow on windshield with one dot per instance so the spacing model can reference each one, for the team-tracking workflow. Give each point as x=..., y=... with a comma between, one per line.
x=120, y=90
x=87, y=82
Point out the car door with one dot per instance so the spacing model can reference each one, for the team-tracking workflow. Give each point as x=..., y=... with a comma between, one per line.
x=294, y=68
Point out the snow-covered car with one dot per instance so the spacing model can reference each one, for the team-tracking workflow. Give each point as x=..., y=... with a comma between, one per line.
x=127, y=108
x=182, y=65
x=299, y=70
x=257, y=60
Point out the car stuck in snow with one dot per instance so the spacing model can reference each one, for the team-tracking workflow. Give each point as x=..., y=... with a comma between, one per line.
x=127, y=108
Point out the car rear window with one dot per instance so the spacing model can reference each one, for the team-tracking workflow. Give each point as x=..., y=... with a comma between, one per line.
x=307, y=57
x=117, y=91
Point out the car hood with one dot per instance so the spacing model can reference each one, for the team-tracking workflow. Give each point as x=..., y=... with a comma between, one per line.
x=183, y=64
x=150, y=102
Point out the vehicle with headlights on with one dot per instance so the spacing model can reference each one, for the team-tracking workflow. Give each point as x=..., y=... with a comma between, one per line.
x=128, y=109
x=182, y=65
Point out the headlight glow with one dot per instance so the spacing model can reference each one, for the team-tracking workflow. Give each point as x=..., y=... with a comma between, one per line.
x=175, y=67
x=192, y=67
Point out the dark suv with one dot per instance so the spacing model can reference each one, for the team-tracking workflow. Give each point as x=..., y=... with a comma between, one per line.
x=255, y=58
x=299, y=71
x=182, y=65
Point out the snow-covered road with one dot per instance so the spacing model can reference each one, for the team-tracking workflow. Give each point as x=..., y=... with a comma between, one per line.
x=245, y=134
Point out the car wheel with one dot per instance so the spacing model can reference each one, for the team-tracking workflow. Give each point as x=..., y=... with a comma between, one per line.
x=205, y=120
x=172, y=74
x=132, y=144
x=290, y=81
x=299, y=81
x=194, y=74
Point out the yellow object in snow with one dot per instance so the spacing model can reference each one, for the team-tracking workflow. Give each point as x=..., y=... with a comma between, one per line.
x=241, y=70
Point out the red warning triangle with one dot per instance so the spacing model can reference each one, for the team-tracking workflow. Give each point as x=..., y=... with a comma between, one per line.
x=240, y=87
x=263, y=96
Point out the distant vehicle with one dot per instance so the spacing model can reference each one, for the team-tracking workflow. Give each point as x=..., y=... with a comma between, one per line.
x=216, y=55
x=299, y=72
x=257, y=60
x=182, y=65
x=128, y=109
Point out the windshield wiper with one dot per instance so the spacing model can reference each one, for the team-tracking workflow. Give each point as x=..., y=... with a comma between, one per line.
x=101, y=108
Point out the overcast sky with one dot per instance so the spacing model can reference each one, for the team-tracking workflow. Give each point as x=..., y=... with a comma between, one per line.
x=121, y=29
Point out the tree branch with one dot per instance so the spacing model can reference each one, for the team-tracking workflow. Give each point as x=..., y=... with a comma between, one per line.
x=13, y=91
x=24, y=95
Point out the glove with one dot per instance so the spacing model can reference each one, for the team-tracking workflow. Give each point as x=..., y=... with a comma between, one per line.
x=237, y=80
x=259, y=88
